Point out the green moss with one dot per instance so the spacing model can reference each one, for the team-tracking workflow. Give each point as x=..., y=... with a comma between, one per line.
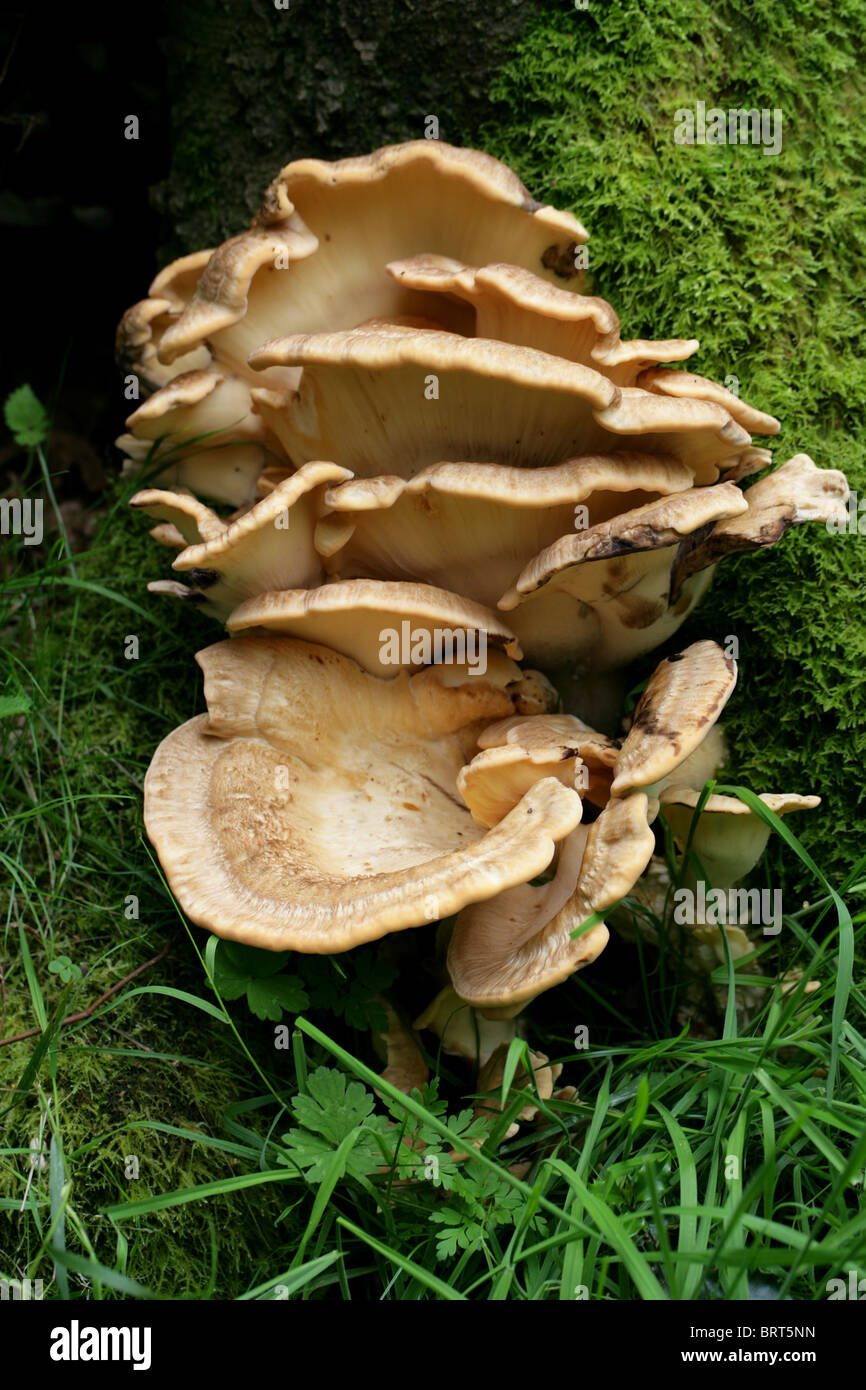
x=761, y=259
x=70, y=788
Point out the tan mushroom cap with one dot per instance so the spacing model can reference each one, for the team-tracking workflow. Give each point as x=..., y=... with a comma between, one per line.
x=701, y=764
x=405, y=1065
x=515, y=306
x=167, y=534
x=702, y=433
x=227, y=473
x=462, y=1031
x=142, y=326
x=212, y=441
x=136, y=340
x=269, y=547
x=473, y=527
x=729, y=837
x=702, y=389
x=683, y=699
x=194, y=403
x=496, y=779
x=178, y=280
x=603, y=593
x=749, y=461
x=385, y=626
x=655, y=525
x=797, y=492
x=314, y=807
x=595, y=748
x=506, y=950
x=181, y=513
x=517, y=752
x=496, y=401
x=338, y=224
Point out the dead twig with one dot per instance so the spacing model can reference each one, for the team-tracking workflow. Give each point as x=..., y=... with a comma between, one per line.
x=88, y=1013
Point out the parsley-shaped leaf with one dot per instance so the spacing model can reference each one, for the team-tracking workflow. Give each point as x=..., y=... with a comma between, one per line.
x=348, y=988
x=244, y=970
x=334, y=1108
x=271, y=998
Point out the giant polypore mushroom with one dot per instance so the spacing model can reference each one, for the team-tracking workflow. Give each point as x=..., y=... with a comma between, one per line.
x=315, y=806
x=409, y=419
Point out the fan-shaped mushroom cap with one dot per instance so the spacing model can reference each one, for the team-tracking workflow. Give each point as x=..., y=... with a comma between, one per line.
x=211, y=440
x=797, y=492
x=177, y=281
x=405, y=1065
x=495, y=401
x=701, y=764
x=228, y=472
x=603, y=592
x=195, y=403
x=462, y=1031
x=729, y=837
x=142, y=326
x=594, y=748
x=518, y=752
x=683, y=698
x=515, y=306
x=269, y=547
x=508, y=949
x=472, y=527
x=496, y=779
x=314, y=807
x=750, y=461
x=384, y=626
x=138, y=335
x=700, y=388
x=702, y=433
x=338, y=224
x=167, y=534
x=181, y=513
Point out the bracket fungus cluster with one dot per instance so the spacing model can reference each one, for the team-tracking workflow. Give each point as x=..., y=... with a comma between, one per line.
x=418, y=474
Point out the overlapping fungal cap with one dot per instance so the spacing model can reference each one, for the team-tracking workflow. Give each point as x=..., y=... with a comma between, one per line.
x=474, y=526
x=140, y=331
x=415, y=318
x=315, y=806
x=516, y=306
x=200, y=432
x=385, y=627
x=680, y=703
x=462, y=1031
x=515, y=752
x=315, y=255
x=477, y=398
x=506, y=950
x=794, y=493
x=428, y=456
x=602, y=594
x=271, y=546
x=718, y=847
x=728, y=837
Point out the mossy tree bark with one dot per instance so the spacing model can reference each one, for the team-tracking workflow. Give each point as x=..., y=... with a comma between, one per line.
x=253, y=86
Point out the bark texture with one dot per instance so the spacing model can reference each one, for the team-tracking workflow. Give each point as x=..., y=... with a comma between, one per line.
x=253, y=86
